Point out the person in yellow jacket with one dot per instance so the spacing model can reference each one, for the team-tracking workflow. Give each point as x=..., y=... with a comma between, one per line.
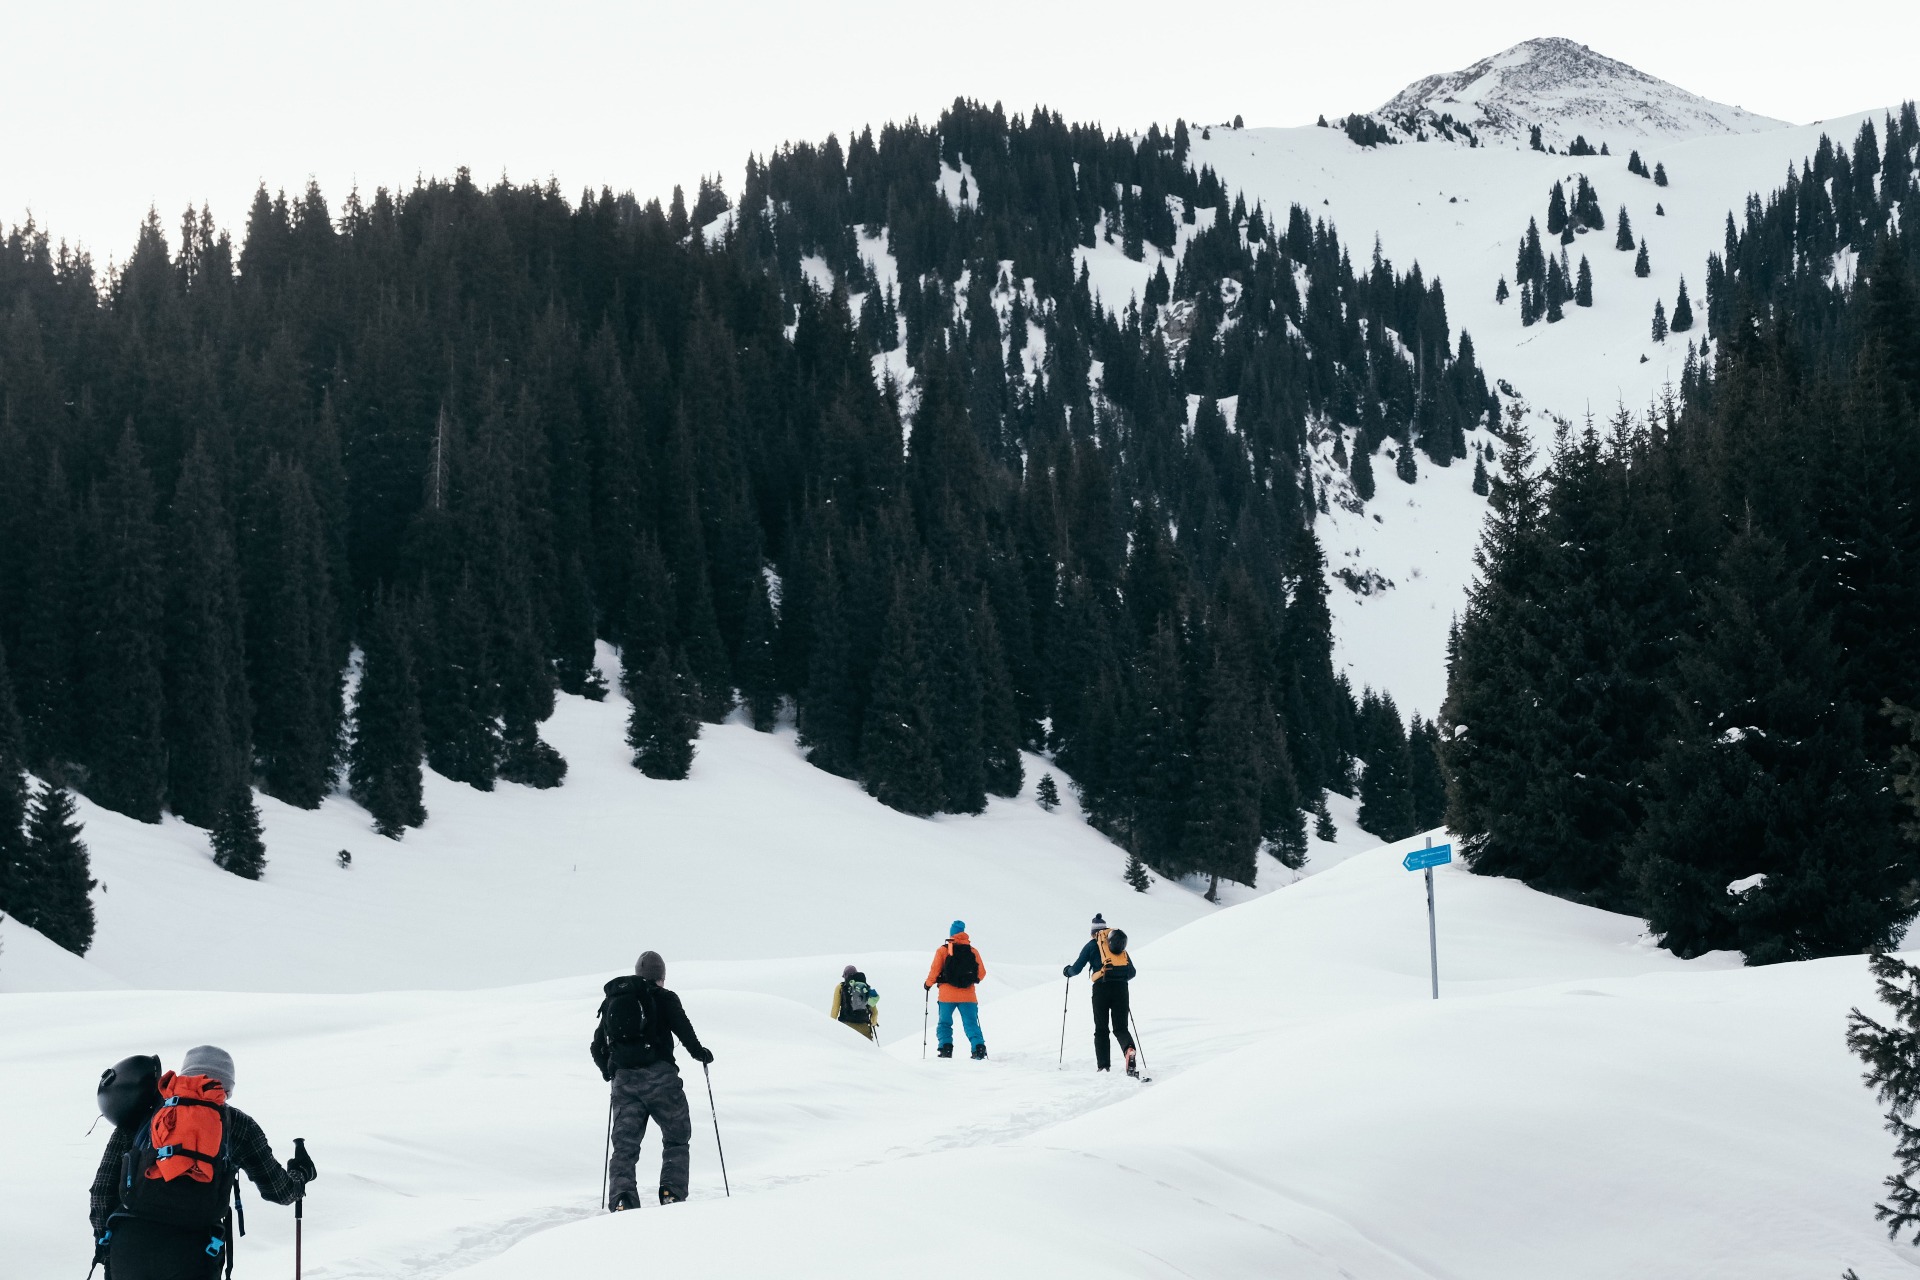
x=957, y=968
x=1106, y=954
x=855, y=1004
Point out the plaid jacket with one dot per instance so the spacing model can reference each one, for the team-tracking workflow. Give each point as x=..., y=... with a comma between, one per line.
x=251, y=1151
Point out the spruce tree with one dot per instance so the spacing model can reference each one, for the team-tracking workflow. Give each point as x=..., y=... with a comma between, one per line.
x=662, y=725
x=1323, y=828
x=1361, y=471
x=955, y=703
x=1046, y=793
x=1556, y=210
x=1136, y=874
x=898, y=765
x=124, y=693
x=757, y=667
x=13, y=799
x=1427, y=782
x=1892, y=1054
x=1659, y=175
x=209, y=713
x=1623, y=235
x=383, y=765
x=1404, y=465
x=1480, y=475
x=1222, y=832
x=238, y=845
x=1641, y=267
x=1500, y=291
x=527, y=759
x=1682, y=310
x=999, y=711
x=1583, y=286
x=1659, y=320
x=58, y=885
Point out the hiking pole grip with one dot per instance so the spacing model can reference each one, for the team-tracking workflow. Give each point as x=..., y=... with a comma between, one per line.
x=716, y=1131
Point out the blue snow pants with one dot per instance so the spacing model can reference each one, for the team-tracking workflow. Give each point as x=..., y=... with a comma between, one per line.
x=969, y=1018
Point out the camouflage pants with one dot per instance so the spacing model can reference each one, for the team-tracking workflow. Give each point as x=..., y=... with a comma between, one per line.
x=640, y=1093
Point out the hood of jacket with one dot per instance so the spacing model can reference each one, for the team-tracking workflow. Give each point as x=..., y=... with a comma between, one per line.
x=961, y=937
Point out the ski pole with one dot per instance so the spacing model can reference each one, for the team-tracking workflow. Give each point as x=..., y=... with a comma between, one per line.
x=606, y=1155
x=1138, y=1045
x=299, y=1208
x=1064, y=996
x=926, y=1007
x=716, y=1131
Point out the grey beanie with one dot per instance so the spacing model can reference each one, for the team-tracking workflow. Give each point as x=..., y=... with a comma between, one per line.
x=850, y=971
x=650, y=965
x=209, y=1060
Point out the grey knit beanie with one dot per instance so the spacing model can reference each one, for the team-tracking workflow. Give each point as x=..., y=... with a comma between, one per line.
x=209, y=1060
x=650, y=965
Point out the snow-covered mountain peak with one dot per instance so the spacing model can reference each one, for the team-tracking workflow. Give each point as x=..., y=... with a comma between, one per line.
x=1569, y=91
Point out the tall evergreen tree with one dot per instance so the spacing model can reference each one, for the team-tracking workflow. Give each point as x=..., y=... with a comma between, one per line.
x=662, y=726
x=1222, y=832
x=124, y=694
x=13, y=800
x=238, y=845
x=898, y=762
x=58, y=886
x=383, y=764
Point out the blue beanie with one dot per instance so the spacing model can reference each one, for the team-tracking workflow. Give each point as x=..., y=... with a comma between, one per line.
x=959, y=926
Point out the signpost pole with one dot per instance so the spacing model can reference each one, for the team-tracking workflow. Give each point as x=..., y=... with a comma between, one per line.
x=1426, y=859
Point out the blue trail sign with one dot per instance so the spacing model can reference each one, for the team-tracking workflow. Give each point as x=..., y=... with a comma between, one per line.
x=1432, y=856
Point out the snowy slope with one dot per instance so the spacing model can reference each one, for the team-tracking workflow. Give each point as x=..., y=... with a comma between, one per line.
x=1461, y=213
x=1578, y=1104
x=1569, y=91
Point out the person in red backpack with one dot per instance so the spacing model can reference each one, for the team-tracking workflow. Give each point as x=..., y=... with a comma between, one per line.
x=957, y=968
x=162, y=1200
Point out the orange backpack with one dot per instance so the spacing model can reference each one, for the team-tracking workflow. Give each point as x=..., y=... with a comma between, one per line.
x=188, y=1132
x=180, y=1169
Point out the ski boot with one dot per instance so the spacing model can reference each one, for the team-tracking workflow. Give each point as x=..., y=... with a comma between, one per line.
x=667, y=1197
x=979, y=1052
x=1133, y=1064
x=624, y=1201
x=945, y=1051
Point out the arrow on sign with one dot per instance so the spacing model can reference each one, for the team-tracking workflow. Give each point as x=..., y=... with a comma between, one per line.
x=1421, y=859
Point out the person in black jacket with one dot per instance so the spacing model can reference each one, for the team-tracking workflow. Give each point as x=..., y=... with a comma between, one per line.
x=138, y=1248
x=633, y=1047
x=1106, y=954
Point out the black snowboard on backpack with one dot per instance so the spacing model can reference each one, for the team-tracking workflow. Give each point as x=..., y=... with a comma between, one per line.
x=961, y=968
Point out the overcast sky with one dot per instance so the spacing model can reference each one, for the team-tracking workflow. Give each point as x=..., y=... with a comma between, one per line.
x=108, y=107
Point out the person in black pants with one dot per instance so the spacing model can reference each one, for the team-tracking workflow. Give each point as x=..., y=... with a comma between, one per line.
x=1106, y=954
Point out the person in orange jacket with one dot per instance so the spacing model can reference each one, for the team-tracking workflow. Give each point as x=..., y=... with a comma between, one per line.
x=957, y=968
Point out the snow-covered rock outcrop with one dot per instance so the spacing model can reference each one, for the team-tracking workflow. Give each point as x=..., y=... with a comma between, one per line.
x=1568, y=90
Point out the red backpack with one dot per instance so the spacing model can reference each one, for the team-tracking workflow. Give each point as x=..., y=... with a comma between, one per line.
x=180, y=1169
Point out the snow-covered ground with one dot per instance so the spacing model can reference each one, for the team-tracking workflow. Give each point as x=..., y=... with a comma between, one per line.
x=1461, y=213
x=1577, y=1104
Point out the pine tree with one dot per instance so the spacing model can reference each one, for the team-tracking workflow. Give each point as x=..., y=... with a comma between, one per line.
x=1556, y=210
x=758, y=671
x=238, y=845
x=1386, y=787
x=1323, y=828
x=1046, y=793
x=1641, y=267
x=1635, y=165
x=58, y=885
x=1500, y=291
x=1659, y=320
x=662, y=726
x=1404, y=466
x=1222, y=834
x=124, y=694
x=1583, y=287
x=999, y=711
x=1892, y=1055
x=1427, y=782
x=1136, y=874
x=209, y=712
x=1361, y=471
x=383, y=770
x=1659, y=175
x=1479, y=475
x=1623, y=236
x=1682, y=310
x=13, y=800
x=898, y=763
x=527, y=759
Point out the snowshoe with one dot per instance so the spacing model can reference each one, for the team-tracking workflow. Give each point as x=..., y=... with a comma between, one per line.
x=979, y=1052
x=1133, y=1065
x=625, y=1200
x=945, y=1051
x=667, y=1197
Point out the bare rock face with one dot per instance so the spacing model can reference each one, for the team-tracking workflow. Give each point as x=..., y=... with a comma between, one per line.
x=1569, y=91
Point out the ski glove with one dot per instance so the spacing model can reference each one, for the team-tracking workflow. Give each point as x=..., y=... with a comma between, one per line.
x=102, y=1253
x=300, y=1169
x=1066, y=971
x=702, y=1056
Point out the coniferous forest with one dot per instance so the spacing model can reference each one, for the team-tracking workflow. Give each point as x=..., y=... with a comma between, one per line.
x=431, y=446
x=1674, y=690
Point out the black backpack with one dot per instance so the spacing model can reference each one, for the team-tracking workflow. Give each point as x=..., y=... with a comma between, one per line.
x=961, y=967
x=184, y=1201
x=628, y=1022
x=853, y=1002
